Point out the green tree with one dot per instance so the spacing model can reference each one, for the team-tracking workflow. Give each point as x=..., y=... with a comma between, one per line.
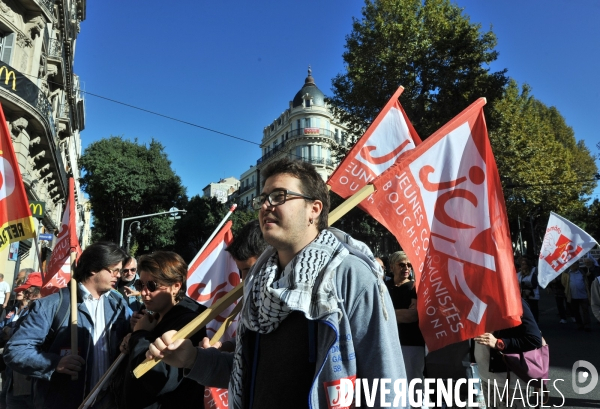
x=431, y=48
x=203, y=216
x=123, y=179
x=542, y=166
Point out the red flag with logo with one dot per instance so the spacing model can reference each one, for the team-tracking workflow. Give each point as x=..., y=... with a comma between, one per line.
x=390, y=136
x=16, y=223
x=445, y=206
x=211, y=275
x=58, y=272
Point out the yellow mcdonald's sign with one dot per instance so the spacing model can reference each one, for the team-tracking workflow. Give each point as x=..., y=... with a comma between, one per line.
x=7, y=75
x=37, y=209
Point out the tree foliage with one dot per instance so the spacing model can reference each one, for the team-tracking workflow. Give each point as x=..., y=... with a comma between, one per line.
x=124, y=179
x=203, y=216
x=431, y=48
x=542, y=166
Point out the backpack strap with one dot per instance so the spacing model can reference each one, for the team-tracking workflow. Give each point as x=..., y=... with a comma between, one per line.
x=60, y=317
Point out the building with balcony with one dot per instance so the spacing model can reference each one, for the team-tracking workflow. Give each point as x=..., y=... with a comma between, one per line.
x=44, y=109
x=306, y=130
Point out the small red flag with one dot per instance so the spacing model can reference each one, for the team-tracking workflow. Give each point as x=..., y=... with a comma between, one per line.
x=16, y=223
x=444, y=204
x=58, y=271
x=390, y=136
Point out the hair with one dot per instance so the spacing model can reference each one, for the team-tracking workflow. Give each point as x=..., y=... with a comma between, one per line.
x=310, y=181
x=396, y=257
x=96, y=257
x=248, y=242
x=128, y=260
x=167, y=268
x=34, y=290
x=27, y=271
x=1, y=275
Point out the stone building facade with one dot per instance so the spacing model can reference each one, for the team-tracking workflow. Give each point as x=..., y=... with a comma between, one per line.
x=306, y=130
x=44, y=109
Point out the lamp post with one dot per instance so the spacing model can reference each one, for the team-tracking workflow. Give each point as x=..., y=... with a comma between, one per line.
x=172, y=212
x=129, y=232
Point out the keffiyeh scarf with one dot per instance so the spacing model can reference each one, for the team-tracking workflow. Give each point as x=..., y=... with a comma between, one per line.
x=307, y=285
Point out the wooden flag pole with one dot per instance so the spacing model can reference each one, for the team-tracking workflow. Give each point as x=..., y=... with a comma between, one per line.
x=194, y=326
x=74, y=348
x=89, y=400
x=350, y=203
x=226, y=324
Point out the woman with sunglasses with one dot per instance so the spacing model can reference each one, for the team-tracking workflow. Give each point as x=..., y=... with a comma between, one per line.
x=404, y=297
x=162, y=288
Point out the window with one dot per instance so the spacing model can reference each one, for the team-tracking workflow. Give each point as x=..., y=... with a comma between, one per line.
x=337, y=135
x=307, y=122
x=298, y=124
x=7, y=42
x=307, y=103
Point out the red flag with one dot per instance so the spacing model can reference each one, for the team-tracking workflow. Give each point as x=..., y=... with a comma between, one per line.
x=388, y=138
x=444, y=204
x=212, y=275
x=58, y=271
x=16, y=223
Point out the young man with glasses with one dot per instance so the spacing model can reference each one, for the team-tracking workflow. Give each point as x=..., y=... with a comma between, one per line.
x=41, y=347
x=126, y=284
x=316, y=315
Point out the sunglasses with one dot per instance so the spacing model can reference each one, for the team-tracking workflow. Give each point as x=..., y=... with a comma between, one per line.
x=150, y=285
x=404, y=265
x=127, y=270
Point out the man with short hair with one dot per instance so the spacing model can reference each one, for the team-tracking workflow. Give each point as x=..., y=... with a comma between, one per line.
x=316, y=313
x=4, y=293
x=125, y=285
x=42, y=351
x=247, y=246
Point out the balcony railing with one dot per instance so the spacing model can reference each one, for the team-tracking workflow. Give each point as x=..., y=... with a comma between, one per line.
x=298, y=133
x=55, y=49
x=244, y=189
x=48, y=5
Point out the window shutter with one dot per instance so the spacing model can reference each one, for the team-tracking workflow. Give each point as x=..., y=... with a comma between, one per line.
x=8, y=43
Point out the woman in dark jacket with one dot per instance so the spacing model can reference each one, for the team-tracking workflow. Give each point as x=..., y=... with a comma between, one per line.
x=488, y=348
x=162, y=287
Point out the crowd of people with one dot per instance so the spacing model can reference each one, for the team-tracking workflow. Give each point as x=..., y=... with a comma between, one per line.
x=317, y=309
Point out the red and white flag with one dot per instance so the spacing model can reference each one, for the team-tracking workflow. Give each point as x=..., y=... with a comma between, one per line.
x=564, y=244
x=213, y=274
x=58, y=271
x=16, y=223
x=444, y=204
x=388, y=138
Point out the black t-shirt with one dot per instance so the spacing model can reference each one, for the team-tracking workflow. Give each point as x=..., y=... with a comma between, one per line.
x=410, y=334
x=286, y=368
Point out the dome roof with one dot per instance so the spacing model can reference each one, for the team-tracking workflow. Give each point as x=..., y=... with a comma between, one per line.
x=309, y=88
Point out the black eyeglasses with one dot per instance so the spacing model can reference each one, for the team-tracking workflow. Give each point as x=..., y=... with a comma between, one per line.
x=276, y=198
x=150, y=285
x=404, y=265
x=126, y=270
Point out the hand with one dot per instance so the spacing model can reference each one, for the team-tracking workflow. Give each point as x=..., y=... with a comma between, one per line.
x=147, y=323
x=179, y=354
x=124, y=347
x=205, y=344
x=70, y=364
x=135, y=318
x=130, y=292
x=486, y=339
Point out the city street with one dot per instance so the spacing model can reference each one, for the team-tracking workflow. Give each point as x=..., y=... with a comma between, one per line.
x=568, y=345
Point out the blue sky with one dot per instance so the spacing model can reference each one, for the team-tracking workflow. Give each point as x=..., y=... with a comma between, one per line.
x=233, y=66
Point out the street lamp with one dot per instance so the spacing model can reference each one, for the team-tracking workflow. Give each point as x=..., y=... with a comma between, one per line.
x=172, y=211
x=137, y=229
